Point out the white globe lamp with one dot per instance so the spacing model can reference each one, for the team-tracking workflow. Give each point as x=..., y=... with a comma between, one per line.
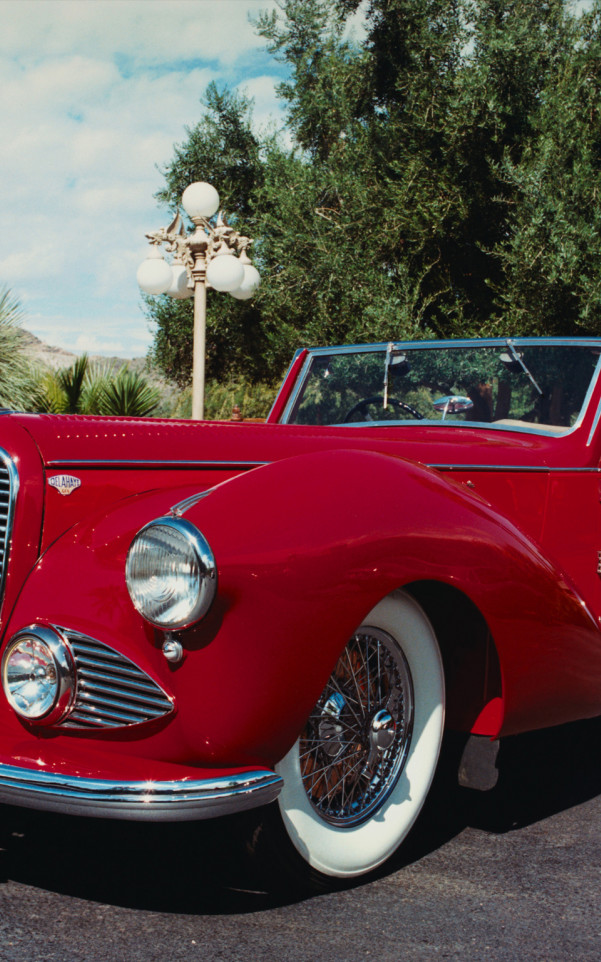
x=154, y=275
x=249, y=285
x=225, y=273
x=178, y=289
x=200, y=200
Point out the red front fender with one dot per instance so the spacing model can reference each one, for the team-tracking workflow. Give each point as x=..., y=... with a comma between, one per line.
x=307, y=546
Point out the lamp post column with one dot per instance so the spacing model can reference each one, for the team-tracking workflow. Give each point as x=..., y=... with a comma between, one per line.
x=198, y=244
x=198, y=361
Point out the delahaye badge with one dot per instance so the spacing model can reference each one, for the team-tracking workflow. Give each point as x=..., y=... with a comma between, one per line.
x=64, y=483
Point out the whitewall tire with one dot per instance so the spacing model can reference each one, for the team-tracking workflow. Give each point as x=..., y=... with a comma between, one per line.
x=356, y=779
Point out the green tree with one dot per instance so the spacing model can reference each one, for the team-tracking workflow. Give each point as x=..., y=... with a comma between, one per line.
x=371, y=201
x=223, y=144
x=440, y=179
x=552, y=253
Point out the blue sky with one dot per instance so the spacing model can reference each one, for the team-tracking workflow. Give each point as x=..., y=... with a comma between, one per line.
x=95, y=93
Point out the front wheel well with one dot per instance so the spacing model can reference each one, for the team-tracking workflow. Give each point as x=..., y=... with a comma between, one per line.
x=470, y=659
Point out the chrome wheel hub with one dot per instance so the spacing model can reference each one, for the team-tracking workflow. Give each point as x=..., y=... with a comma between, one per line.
x=383, y=730
x=355, y=743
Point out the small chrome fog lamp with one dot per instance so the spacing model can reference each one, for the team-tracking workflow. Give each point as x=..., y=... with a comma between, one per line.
x=38, y=674
x=171, y=573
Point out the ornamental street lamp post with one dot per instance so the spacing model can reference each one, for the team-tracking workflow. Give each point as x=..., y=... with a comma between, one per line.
x=205, y=258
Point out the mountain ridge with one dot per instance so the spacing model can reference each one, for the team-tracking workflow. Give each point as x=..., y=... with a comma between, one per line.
x=56, y=357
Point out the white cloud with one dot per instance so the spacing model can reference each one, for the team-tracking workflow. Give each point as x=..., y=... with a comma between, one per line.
x=95, y=95
x=93, y=344
x=356, y=25
x=145, y=32
x=109, y=335
x=262, y=91
x=39, y=258
x=50, y=85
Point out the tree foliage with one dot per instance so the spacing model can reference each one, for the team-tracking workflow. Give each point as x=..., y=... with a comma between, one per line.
x=552, y=252
x=441, y=178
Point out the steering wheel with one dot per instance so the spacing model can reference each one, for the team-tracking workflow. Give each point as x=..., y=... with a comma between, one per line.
x=378, y=399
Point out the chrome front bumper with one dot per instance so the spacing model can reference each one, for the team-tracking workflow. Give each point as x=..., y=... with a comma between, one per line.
x=153, y=801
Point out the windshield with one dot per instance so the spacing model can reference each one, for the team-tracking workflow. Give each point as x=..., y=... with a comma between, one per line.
x=510, y=383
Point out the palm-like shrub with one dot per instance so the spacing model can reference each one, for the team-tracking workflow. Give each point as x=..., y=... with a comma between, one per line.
x=87, y=388
x=19, y=380
x=70, y=390
x=127, y=393
x=74, y=383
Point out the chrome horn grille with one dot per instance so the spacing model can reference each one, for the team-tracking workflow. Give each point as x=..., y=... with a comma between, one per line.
x=112, y=692
x=9, y=482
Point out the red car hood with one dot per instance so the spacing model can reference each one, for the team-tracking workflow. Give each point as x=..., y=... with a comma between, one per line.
x=75, y=439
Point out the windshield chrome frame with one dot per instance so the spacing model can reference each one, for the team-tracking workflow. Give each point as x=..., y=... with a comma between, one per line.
x=541, y=429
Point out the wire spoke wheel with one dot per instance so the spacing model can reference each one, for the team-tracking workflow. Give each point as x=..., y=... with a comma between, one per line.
x=358, y=775
x=356, y=740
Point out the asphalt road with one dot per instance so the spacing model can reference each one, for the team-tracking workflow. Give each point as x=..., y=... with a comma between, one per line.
x=512, y=874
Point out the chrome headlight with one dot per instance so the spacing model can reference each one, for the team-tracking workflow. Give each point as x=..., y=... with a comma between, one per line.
x=38, y=674
x=170, y=573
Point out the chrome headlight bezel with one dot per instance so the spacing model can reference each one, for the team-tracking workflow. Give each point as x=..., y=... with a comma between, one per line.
x=145, y=563
x=58, y=653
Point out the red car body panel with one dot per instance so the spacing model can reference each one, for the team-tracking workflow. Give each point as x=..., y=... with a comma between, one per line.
x=310, y=528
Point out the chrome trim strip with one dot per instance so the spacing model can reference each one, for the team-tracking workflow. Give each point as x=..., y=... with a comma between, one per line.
x=131, y=463
x=179, y=509
x=458, y=342
x=154, y=801
x=522, y=468
x=587, y=400
x=594, y=425
x=300, y=380
x=284, y=379
x=540, y=430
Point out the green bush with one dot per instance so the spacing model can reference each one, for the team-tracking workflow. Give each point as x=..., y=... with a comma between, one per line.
x=254, y=400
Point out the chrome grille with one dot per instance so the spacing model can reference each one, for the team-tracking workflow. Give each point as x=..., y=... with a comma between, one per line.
x=112, y=692
x=9, y=482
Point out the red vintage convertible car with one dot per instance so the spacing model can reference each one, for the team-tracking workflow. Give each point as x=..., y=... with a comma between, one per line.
x=201, y=618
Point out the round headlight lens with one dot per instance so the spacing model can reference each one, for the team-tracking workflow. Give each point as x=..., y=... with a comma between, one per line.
x=170, y=573
x=37, y=675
